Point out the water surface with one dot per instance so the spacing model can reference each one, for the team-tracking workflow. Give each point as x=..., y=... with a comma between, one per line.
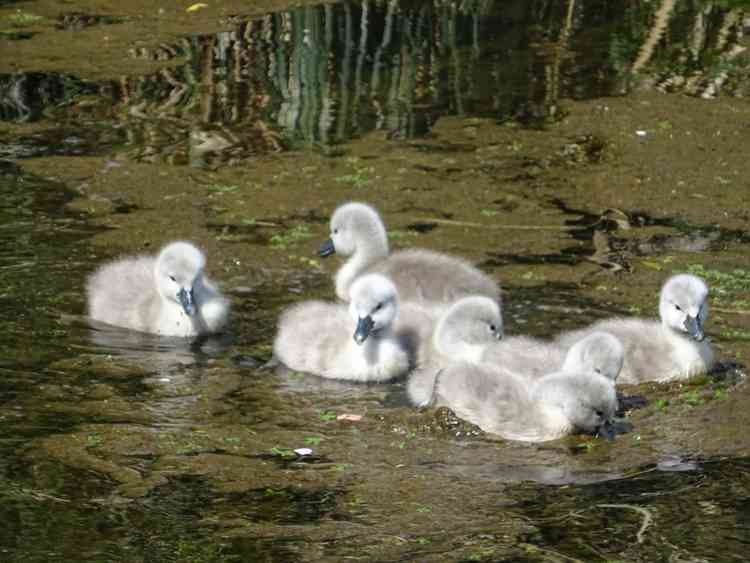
x=578, y=152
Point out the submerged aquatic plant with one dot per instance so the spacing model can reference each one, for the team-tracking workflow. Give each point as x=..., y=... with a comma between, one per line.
x=23, y=19
x=736, y=280
x=291, y=237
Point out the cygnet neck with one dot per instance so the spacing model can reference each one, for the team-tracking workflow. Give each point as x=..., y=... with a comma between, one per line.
x=368, y=251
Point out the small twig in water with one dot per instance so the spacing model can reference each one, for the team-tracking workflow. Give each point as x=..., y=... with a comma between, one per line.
x=647, y=519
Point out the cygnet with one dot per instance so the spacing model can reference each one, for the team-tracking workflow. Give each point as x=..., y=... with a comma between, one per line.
x=355, y=343
x=672, y=349
x=524, y=409
x=167, y=294
x=462, y=333
x=357, y=231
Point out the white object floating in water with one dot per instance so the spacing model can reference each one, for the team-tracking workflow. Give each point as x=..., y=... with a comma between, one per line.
x=350, y=417
x=303, y=451
x=164, y=379
x=641, y=132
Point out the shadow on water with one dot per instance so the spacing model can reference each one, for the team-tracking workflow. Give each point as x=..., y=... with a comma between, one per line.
x=595, y=239
x=688, y=494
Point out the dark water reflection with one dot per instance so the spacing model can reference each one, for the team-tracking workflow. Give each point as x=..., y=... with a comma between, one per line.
x=324, y=74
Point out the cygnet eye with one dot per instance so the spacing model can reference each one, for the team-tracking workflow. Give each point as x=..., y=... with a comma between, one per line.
x=600, y=414
x=676, y=306
x=335, y=231
x=378, y=307
x=173, y=279
x=599, y=371
x=493, y=328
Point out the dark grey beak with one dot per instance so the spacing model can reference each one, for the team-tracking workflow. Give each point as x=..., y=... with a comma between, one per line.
x=498, y=335
x=694, y=328
x=364, y=328
x=327, y=249
x=607, y=430
x=187, y=300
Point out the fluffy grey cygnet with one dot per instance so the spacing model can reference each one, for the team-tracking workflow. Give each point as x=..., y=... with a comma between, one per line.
x=532, y=357
x=355, y=342
x=672, y=349
x=167, y=294
x=357, y=231
x=524, y=409
x=462, y=333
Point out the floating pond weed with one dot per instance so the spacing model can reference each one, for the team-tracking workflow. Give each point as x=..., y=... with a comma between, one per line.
x=291, y=237
x=23, y=19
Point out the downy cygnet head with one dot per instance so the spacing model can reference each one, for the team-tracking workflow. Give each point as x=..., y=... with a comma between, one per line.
x=470, y=322
x=178, y=267
x=593, y=407
x=588, y=401
x=373, y=304
x=599, y=352
x=352, y=226
x=683, y=305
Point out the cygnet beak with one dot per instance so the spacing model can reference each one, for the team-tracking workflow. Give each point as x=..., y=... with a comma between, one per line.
x=327, y=249
x=694, y=328
x=187, y=300
x=364, y=328
x=607, y=430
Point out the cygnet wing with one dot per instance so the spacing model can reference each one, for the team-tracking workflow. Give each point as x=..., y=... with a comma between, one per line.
x=495, y=400
x=311, y=334
x=123, y=292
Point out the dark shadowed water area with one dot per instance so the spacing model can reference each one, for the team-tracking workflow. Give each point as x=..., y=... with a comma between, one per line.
x=578, y=152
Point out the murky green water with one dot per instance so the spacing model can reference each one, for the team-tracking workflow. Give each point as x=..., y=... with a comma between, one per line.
x=514, y=133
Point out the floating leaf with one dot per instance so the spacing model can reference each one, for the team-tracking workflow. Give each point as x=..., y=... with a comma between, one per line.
x=197, y=6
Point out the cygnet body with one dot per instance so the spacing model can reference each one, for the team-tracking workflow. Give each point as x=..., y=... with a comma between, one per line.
x=357, y=231
x=672, y=349
x=355, y=342
x=462, y=333
x=524, y=409
x=167, y=294
x=599, y=351
x=524, y=355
